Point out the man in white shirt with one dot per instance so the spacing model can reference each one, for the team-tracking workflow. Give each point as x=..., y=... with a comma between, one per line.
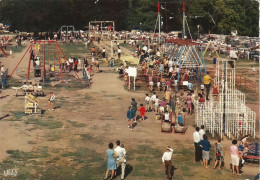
x=120, y=160
x=166, y=159
x=152, y=100
x=196, y=139
x=104, y=52
x=145, y=48
x=201, y=132
x=119, y=53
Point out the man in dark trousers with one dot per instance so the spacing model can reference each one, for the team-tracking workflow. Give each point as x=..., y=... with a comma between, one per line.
x=207, y=80
x=166, y=159
x=196, y=139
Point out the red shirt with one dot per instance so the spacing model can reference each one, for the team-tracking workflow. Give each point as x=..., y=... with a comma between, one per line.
x=202, y=100
x=142, y=111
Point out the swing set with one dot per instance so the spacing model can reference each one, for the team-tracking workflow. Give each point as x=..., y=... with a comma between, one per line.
x=49, y=58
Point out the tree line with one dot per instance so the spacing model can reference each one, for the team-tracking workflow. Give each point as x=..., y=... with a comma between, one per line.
x=215, y=16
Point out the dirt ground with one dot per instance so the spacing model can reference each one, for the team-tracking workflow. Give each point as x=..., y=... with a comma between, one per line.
x=70, y=142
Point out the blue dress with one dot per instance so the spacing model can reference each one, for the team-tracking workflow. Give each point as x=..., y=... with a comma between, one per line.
x=111, y=162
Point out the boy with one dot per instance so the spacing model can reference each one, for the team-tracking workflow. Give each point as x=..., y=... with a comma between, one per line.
x=147, y=102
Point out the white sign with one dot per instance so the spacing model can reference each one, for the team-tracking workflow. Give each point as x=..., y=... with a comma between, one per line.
x=185, y=83
x=132, y=71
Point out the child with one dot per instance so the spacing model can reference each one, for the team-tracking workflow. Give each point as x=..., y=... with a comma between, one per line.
x=202, y=89
x=151, y=83
x=125, y=79
x=158, y=83
x=142, y=111
x=130, y=117
x=215, y=91
x=156, y=103
x=168, y=84
x=167, y=116
x=163, y=81
x=147, y=102
x=50, y=100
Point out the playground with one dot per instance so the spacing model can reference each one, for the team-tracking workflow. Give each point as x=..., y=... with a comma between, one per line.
x=70, y=142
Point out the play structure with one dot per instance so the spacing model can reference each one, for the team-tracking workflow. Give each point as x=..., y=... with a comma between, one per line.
x=2, y=52
x=227, y=113
x=67, y=32
x=188, y=56
x=166, y=126
x=44, y=61
x=101, y=29
x=101, y=26
x=31, y=105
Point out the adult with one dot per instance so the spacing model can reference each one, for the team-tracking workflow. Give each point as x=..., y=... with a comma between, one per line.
x=129, y=116
x=189, y=103
x=63, y=61
x=166, y=159
x=111, y=161
x=153, y=97
x=234, y=157
x=104, y=52
x=167, y=96
x=134, y=108
x=51, y=100
x=86, y=74
x=119, y=53
x=207, y=80
x=219, y=151
x=120, y=160
x=150, y=83
x=201, y=132
x=196, y=139
x=205, y=144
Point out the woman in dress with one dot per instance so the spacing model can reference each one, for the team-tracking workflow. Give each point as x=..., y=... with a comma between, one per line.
x=134, y=108
x=111, y=161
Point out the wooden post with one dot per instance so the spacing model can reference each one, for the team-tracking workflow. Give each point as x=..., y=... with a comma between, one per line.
x=134, y=83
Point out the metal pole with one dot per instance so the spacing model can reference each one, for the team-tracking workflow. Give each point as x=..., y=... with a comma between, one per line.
x=61, y=75
x=159, y=23
x=18, y=63
x=183, y=9
x=112, y=52
x=43, y=61
x=29, y=64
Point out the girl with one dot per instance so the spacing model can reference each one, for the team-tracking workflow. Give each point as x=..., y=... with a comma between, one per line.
x=130, y=117
x=142, y=111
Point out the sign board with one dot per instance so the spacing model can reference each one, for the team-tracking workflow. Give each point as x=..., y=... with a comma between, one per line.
x=132, y=71
x=185, y=83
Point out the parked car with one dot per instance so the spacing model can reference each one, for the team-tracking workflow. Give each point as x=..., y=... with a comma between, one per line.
x=254, y=55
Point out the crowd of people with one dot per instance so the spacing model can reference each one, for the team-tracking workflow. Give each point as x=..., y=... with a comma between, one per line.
x=202, y=151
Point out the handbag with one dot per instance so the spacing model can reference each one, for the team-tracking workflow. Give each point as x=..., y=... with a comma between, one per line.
x=218, y=154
